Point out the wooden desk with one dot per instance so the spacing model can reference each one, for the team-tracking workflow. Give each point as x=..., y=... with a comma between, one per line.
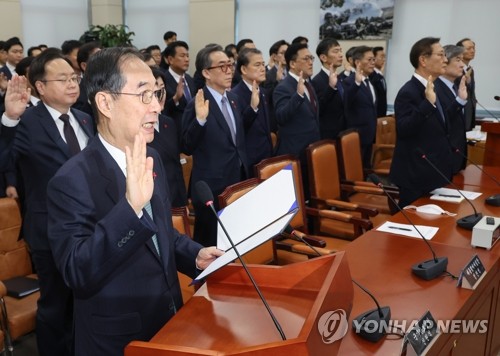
x=382, y=263
x=473, y=176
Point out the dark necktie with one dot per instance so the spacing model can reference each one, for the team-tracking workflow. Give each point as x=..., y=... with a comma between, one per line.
x=187, y=93
x=227, y=117
x=440, y=109
x=367, y=83
x=340, y=89
x=310, y=90
x=69, y=135
x=149, y=210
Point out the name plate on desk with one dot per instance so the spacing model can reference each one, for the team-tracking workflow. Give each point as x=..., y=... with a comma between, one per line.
x=472, y=273
x=421, y=336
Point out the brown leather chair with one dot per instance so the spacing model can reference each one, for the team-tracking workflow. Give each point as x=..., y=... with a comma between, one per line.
x=17, y=315
x=383, y=148
x=266, y=168
x=180, y=221
x=326, y=192
x=361, y=192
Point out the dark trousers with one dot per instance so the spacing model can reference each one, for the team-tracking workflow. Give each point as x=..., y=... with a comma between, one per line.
x=408, y=196
x=54, y=318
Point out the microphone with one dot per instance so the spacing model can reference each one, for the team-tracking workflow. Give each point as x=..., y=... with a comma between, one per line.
x=494, y=199
x=496, y=118
x=496, y=97
x=429, y=269
x=469, y=221
x=205, y=195
x=371, y=324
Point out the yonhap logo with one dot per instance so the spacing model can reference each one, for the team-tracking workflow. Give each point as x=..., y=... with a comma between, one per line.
x=333, y=326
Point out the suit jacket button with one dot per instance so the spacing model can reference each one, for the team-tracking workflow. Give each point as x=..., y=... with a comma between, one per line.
x=124, y=240
x=131, y=233
x=120, y=244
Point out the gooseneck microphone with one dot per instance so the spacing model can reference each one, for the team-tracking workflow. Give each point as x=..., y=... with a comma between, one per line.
x=466, y=222
x=494, y=199
x=429, y=269
x=205, y=195
x=371, y=325
x=490, y=113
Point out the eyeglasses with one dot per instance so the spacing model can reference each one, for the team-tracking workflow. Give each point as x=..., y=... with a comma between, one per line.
x=146, y=95
x=71, y=80
x=223, y=67
x=440, y=54
x=307, y=58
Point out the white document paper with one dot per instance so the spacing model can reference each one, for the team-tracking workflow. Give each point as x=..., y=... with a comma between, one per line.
x=255, y=217
x=452, y=195
x=408, y=230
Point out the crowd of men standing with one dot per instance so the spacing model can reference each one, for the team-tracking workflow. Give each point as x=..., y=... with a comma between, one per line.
x=110, y=104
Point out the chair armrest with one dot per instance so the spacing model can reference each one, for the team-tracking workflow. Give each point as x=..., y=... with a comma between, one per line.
x=383, y=146
x=360, y=224
x=3, y=289
x=313, y=241
x=306, y=250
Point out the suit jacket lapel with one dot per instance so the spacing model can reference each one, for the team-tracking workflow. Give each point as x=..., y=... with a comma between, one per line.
x=85, y=124
x=47, y=122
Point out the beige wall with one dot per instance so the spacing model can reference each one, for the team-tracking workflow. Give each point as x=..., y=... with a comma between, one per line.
x=10, y=19
x=210, y=20
x=107, y=12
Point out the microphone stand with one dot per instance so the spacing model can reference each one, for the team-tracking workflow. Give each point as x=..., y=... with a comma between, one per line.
x=209, y=203
x=491, y=200
x=429, y=269
x=466, y=222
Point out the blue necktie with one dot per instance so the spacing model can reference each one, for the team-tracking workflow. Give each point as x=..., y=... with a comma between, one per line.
x=227, y=117
x=149, y=210
x=187, y=94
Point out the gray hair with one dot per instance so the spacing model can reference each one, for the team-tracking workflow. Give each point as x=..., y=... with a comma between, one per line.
x=452, y=51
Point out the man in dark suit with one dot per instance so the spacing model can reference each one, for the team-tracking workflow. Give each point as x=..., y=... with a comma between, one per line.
x=109, y=218
x=43, y=143
x=329, y=89
x=378, y=81
x=14, y=49
x=166, y=142
x=360, y=101
x=453, y=98
x=178, y=83
x=254, y=106
x=421, y=126
x=213, y=133
x=296, y=108
x=468, y=72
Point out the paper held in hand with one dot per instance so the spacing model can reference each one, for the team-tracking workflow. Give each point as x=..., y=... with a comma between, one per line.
x=254, y=218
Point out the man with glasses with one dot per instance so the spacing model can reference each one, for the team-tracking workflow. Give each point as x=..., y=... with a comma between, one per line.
x=213, y=133
x=453, y=99
x=421, y=126
x=46, y=136
x=109, y=222
x=296, y=108
x=468, y=72
x=360, y=101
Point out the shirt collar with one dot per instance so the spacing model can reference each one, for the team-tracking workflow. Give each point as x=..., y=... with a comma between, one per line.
x=217, y=96
x=326, y=70
x=176, y=76
x=420, y=79
x=117, y=154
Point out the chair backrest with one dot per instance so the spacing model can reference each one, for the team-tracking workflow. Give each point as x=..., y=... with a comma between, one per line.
x=350, y=153
x=386, y=130
x=14, y=255
x=187, y=166
x=324, y=176
x=180, y=220
x=270, y=166
x=265, y=253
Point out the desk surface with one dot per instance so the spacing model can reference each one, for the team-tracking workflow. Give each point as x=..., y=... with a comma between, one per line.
x=381, y=262
x=473, y=176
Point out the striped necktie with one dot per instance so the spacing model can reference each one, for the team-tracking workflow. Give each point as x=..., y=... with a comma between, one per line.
x=149, y=210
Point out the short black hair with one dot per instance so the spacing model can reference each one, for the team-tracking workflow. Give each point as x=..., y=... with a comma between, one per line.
x=23, y=65
x=151, y=48
x=68, y=46
x=85, y=51
x=350, y=52
x=169, y=34
x=377, y=49
x=461, y=42
x=37, y=67
x=360, y=51
x=242, y=43
x=291, y=52
x=276, y=47
x=299, y=39
x=31, y=49
x=12, y=42
x=325, y=45
x=421, y=48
